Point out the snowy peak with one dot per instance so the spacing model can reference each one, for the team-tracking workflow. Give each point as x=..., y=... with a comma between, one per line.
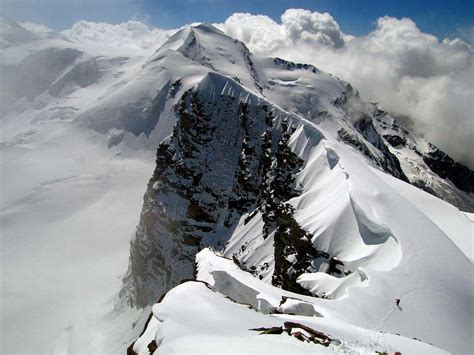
x=209, y=47
x=139, y=101
x=208, y=28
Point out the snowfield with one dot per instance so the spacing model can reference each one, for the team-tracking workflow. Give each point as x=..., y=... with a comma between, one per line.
x=68, y=208
x=280, y=213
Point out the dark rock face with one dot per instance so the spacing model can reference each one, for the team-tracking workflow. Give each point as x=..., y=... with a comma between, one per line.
x=443, y=165
x=295, y=66
x=292, y=240
x=438, y=162
x=246, y=190
x=294, y=253
x=250, y=66
x=389, y=162
x=357, y=143
x=300, y=332
x=363, y=124
x=395, y=141
x=451, y=181
x=198, y=191
x=385, y=159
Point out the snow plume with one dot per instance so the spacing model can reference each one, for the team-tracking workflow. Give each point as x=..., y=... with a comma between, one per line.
x=408, y=72
x=131, y=34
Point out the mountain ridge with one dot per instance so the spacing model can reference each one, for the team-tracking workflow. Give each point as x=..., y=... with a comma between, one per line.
x=273, y=182
x=269, y=225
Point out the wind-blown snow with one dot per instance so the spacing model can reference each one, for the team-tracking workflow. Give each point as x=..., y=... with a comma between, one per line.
x=198, y=316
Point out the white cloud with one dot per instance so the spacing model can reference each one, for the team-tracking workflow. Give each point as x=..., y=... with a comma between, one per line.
x=263, y=35
x=131, y=34
x=467, y=34
x=312, y=27
x=259, y=32
x=408, y=72
x=412, y=52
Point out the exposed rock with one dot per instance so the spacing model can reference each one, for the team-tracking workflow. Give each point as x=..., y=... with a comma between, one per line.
x=443, y=165
x=300, y=332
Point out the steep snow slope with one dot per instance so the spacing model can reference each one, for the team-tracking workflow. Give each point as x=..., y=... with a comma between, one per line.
x=281, y=167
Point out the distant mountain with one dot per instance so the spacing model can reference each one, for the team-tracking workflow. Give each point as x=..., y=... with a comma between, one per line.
x=11, y=33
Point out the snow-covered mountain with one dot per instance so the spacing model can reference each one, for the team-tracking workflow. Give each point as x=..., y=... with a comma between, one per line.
x=295, y=207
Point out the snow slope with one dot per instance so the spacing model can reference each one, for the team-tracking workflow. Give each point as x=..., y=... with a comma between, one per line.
x=297, y=183
x=212, y=323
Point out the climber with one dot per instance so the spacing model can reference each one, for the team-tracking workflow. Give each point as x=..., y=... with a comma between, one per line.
x=397, y=302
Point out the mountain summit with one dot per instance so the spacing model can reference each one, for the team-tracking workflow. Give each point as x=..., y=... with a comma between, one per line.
x=279, y=187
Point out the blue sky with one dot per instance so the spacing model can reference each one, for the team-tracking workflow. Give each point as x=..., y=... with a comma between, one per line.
x=440, y=17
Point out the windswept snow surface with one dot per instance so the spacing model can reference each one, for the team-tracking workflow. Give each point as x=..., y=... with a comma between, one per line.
x=80, y=124
x=219, y=316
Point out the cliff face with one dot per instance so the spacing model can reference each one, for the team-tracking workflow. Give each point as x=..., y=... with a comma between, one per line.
x=425, y=166
x=198, y=189
x=228, y=155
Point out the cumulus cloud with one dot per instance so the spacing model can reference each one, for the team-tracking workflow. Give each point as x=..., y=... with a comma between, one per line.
x=312, y=27
x=259, y=32
x=131, y=34
x=264, y=36
x=408, y=72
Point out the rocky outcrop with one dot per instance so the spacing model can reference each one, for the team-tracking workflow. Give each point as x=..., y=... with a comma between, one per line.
x=443, y=165
x=426, y=166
